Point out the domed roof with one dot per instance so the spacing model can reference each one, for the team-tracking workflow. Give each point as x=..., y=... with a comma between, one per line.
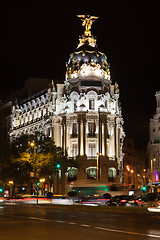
x=86, y=54
x=86, y=65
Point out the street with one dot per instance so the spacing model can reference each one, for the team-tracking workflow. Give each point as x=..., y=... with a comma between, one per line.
x=44, y=222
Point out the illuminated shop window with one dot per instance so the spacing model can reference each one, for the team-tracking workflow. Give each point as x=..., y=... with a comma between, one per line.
x=72, y=174
x=112, y=173
x=91, y=172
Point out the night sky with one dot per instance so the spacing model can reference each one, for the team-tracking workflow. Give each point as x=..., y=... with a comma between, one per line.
x=37, y=37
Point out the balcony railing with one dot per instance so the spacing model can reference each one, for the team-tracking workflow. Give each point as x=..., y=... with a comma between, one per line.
x=91, y=135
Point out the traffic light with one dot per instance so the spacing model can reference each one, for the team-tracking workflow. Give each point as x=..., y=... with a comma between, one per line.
x=38, y=183
x=144, y=188
x=58, y=165
x=1, y=190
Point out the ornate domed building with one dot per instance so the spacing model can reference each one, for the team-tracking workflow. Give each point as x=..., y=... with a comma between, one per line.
x=83, y=115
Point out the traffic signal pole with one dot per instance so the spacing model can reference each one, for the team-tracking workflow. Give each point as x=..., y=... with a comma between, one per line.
x=37, y=190
x=37, y=196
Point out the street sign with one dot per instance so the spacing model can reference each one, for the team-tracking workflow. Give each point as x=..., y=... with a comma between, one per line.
x=37, y=188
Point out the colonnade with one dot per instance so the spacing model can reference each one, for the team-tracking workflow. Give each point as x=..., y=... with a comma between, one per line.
x=102, y=135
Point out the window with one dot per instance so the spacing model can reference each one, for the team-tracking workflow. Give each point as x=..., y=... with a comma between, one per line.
x=106, y=103
x=91, y=104
x=112, y=173
x=74, y=150
x=74, y=130
x=153, y=129
x=91, y=129
x=92, y=149
x=75, y=105
x=91, y=172
x=72, y=174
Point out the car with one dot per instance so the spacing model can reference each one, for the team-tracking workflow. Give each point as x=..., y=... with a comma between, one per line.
x=112, y=203
x=126, y=201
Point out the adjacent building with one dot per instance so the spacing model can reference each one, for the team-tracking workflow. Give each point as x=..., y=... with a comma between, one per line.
x=82, y=115
x=154, y=143
x=134, y=164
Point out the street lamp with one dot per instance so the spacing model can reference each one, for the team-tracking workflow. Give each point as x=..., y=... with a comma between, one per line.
x=132, y=171
x=128, y=169
x=33, y=145
x=98, y=165
x=152, y=160
x=10, y=187
x=11, y=182
x=42, y=180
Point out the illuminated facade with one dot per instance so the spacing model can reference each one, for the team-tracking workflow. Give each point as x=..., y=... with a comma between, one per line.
x=154, y=143
x=83, y=115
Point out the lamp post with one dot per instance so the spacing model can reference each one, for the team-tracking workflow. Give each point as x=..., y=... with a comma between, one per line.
x=128, y=170
x=98, y=166
x=132, y=171
x=42, y=180
x=144, y=170
x=32, y=144
x=10, y=187
x=152, y=160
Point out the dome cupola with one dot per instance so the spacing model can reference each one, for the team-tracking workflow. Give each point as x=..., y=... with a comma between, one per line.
x=87, y=65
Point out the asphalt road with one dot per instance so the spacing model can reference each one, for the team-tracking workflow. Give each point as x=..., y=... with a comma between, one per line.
x=45, y=223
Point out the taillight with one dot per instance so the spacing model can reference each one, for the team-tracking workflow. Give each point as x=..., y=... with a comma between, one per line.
x=123, y=200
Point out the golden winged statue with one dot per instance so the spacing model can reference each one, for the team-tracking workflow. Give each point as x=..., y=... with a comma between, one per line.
x=87, y=21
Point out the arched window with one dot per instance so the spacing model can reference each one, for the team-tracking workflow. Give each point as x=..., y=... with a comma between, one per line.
x=112, y=173
x=91, y=172
x=72, y=174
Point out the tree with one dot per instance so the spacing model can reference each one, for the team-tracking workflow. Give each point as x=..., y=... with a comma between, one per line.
x=42, y=158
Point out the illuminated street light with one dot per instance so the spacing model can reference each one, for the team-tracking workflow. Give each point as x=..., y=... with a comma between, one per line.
x=32, y=144
x=11, y=182
x=42, y=180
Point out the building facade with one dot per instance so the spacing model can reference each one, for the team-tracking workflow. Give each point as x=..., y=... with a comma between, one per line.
x=154, y=142
x=82, y=115
x=134, y=164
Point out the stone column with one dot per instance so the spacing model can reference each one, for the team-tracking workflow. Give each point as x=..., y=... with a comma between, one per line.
x=52, y=133
x=81, y=149
x=115, y=139
x=84, y=137
x=100, y=135
x=63, y=137
x=79, y=135
x=105, y=138
x=118, y=155
x=103, y=147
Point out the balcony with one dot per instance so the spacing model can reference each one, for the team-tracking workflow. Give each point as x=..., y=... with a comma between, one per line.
x=91, y=135
x=74, y=135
